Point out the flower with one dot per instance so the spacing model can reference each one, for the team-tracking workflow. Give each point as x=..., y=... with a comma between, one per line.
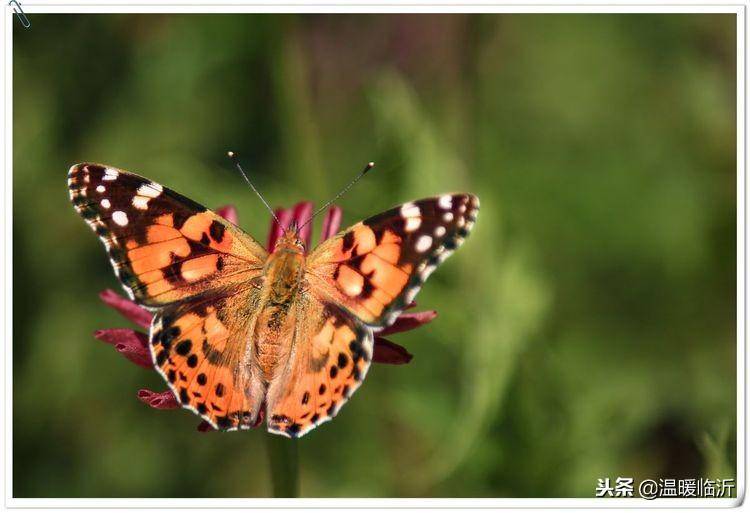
x=133, y=344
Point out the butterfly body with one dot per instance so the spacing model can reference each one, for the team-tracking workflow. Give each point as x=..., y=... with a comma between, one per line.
x=240, y=333
x=282, y=283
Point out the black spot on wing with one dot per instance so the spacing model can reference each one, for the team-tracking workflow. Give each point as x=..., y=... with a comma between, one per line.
x=211, y=354
x=348, y=241
x=172, y=272
x=183, y=348
x=179, y=218
x=223, y=422
x=217, y=231
x=294, y=430
x=168, y=335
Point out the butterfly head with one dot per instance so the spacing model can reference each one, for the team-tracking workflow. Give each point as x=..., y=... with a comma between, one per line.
x=290, y=241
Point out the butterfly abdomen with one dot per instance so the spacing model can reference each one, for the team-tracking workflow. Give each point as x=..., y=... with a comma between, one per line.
x=273, y=331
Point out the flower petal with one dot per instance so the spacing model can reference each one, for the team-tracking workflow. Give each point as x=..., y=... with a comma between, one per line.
x=133, y=345
x=127, y=308
x=387, y=352
x=331, y=223
x=302, y=212
x=159, y=400
x=409, y=321
x=228, y=212
x=277, y=229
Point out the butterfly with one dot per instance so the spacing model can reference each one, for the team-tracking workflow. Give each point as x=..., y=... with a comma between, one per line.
x=240, y=334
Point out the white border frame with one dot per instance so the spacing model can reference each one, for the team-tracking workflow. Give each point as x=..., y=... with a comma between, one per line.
x=554, y=6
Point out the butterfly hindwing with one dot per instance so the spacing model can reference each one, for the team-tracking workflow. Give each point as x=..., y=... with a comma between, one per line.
x=331, y=352
x=200, y=349
x=375, y=268
x=163, y=246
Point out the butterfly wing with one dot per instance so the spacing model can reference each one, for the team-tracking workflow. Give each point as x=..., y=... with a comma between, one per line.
x=163, y=246
x=200, y=348
x=330, y=354
x=375, y=268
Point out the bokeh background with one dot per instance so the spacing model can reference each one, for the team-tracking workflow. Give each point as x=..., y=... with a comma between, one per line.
x=586, y=329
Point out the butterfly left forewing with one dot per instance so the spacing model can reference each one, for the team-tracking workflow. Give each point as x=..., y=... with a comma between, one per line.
x=163, y=246
x=375, y=268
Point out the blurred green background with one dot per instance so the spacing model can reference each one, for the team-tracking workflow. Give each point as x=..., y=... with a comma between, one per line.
x=586, y=329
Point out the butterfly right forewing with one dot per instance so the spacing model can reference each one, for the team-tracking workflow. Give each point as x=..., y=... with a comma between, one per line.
x=375, y=268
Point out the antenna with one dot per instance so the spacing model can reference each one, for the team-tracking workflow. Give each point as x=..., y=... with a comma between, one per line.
x=233, y=156
x=369, y=166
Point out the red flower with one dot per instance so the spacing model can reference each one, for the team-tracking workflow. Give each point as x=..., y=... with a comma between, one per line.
x=133, y=344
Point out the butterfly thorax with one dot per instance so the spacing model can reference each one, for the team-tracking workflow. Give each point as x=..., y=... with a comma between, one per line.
x=283, y=275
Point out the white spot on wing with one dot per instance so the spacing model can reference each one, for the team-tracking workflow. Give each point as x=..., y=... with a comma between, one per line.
x=439, y=231
x=445, y=202
x=423, y=243
x=100, y=188
x=150, y=190
x=144, y=193
x=448, y=217
x=412, y=223
x=105, y=203
x=140, y=202
x=409, y=210
x=411, y=294
x=110, y=174
x=426, y=272
x=120, y=217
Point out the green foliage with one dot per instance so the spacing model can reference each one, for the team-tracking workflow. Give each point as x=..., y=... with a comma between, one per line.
x=586, y=329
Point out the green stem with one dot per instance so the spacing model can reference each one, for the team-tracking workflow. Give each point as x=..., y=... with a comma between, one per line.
x=284, y=459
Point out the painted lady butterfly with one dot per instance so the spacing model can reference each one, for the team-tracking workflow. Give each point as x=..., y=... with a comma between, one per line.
x=239, y=332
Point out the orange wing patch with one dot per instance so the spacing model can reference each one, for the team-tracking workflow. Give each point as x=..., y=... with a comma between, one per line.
x=331, y=354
